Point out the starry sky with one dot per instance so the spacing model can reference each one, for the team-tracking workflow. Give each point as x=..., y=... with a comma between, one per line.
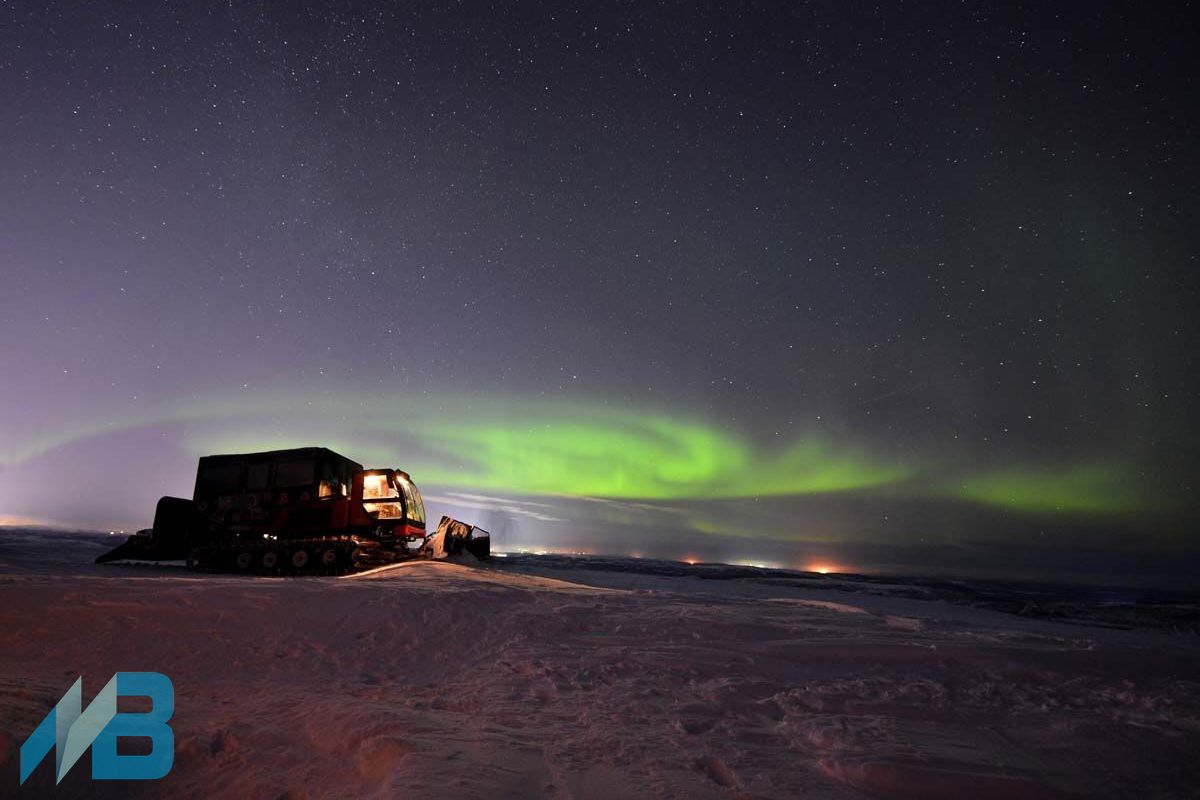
x=883, y=288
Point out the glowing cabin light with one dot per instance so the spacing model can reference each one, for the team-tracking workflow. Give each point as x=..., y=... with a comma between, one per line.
x=375, y=486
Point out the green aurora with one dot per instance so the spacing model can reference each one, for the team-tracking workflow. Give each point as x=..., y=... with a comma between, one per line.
x=648, y=457
x=577, y=448
x=1095, y=488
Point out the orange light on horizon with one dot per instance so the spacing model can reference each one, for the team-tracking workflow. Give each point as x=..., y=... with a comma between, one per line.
x=821, y=567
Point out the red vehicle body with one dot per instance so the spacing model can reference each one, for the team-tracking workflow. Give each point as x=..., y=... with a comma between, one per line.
x=300, y=510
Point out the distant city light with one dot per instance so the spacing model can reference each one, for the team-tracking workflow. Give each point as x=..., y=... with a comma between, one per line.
x=758, y=564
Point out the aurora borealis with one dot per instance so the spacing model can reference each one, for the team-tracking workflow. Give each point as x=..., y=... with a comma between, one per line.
x=579, y=450
x=795, y=282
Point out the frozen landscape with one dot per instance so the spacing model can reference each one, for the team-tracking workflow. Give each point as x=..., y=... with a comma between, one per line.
x=562, y=677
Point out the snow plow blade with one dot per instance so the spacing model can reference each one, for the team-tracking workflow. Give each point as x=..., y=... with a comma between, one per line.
x=453, y=538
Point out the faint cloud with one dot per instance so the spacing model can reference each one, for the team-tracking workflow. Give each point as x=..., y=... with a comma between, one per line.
x=628, y=505
x=483, y=502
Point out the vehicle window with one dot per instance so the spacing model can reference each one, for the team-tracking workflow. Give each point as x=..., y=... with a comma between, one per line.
x=294, y=473
x=376, y=486
x=384, y=510
x=331, y=488
x=412, y=499
x=224, y=479
x=257, y=476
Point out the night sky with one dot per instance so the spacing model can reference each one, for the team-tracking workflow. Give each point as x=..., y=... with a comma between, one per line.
x=898, y=288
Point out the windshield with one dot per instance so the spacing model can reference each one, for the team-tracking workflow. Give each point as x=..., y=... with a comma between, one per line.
x=412, y=499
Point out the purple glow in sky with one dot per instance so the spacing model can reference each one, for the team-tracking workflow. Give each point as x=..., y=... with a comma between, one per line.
x=893, y=288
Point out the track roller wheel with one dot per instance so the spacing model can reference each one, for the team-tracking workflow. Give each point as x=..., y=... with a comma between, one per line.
x=329, y=558
x=243, y=560
x=299, y=559
x=269, y=560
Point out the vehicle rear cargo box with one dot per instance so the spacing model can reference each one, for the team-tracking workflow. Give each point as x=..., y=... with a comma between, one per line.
x=247, y=488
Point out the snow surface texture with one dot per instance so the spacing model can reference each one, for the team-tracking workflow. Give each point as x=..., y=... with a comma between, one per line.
x=545, y=678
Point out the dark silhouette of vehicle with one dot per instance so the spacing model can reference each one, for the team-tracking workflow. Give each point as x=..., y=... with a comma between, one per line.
x=306, y=510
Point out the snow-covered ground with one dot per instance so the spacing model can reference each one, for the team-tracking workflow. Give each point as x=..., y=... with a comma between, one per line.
x=552, y=678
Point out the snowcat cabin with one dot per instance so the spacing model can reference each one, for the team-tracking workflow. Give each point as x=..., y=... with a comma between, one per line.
x=389, y=499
